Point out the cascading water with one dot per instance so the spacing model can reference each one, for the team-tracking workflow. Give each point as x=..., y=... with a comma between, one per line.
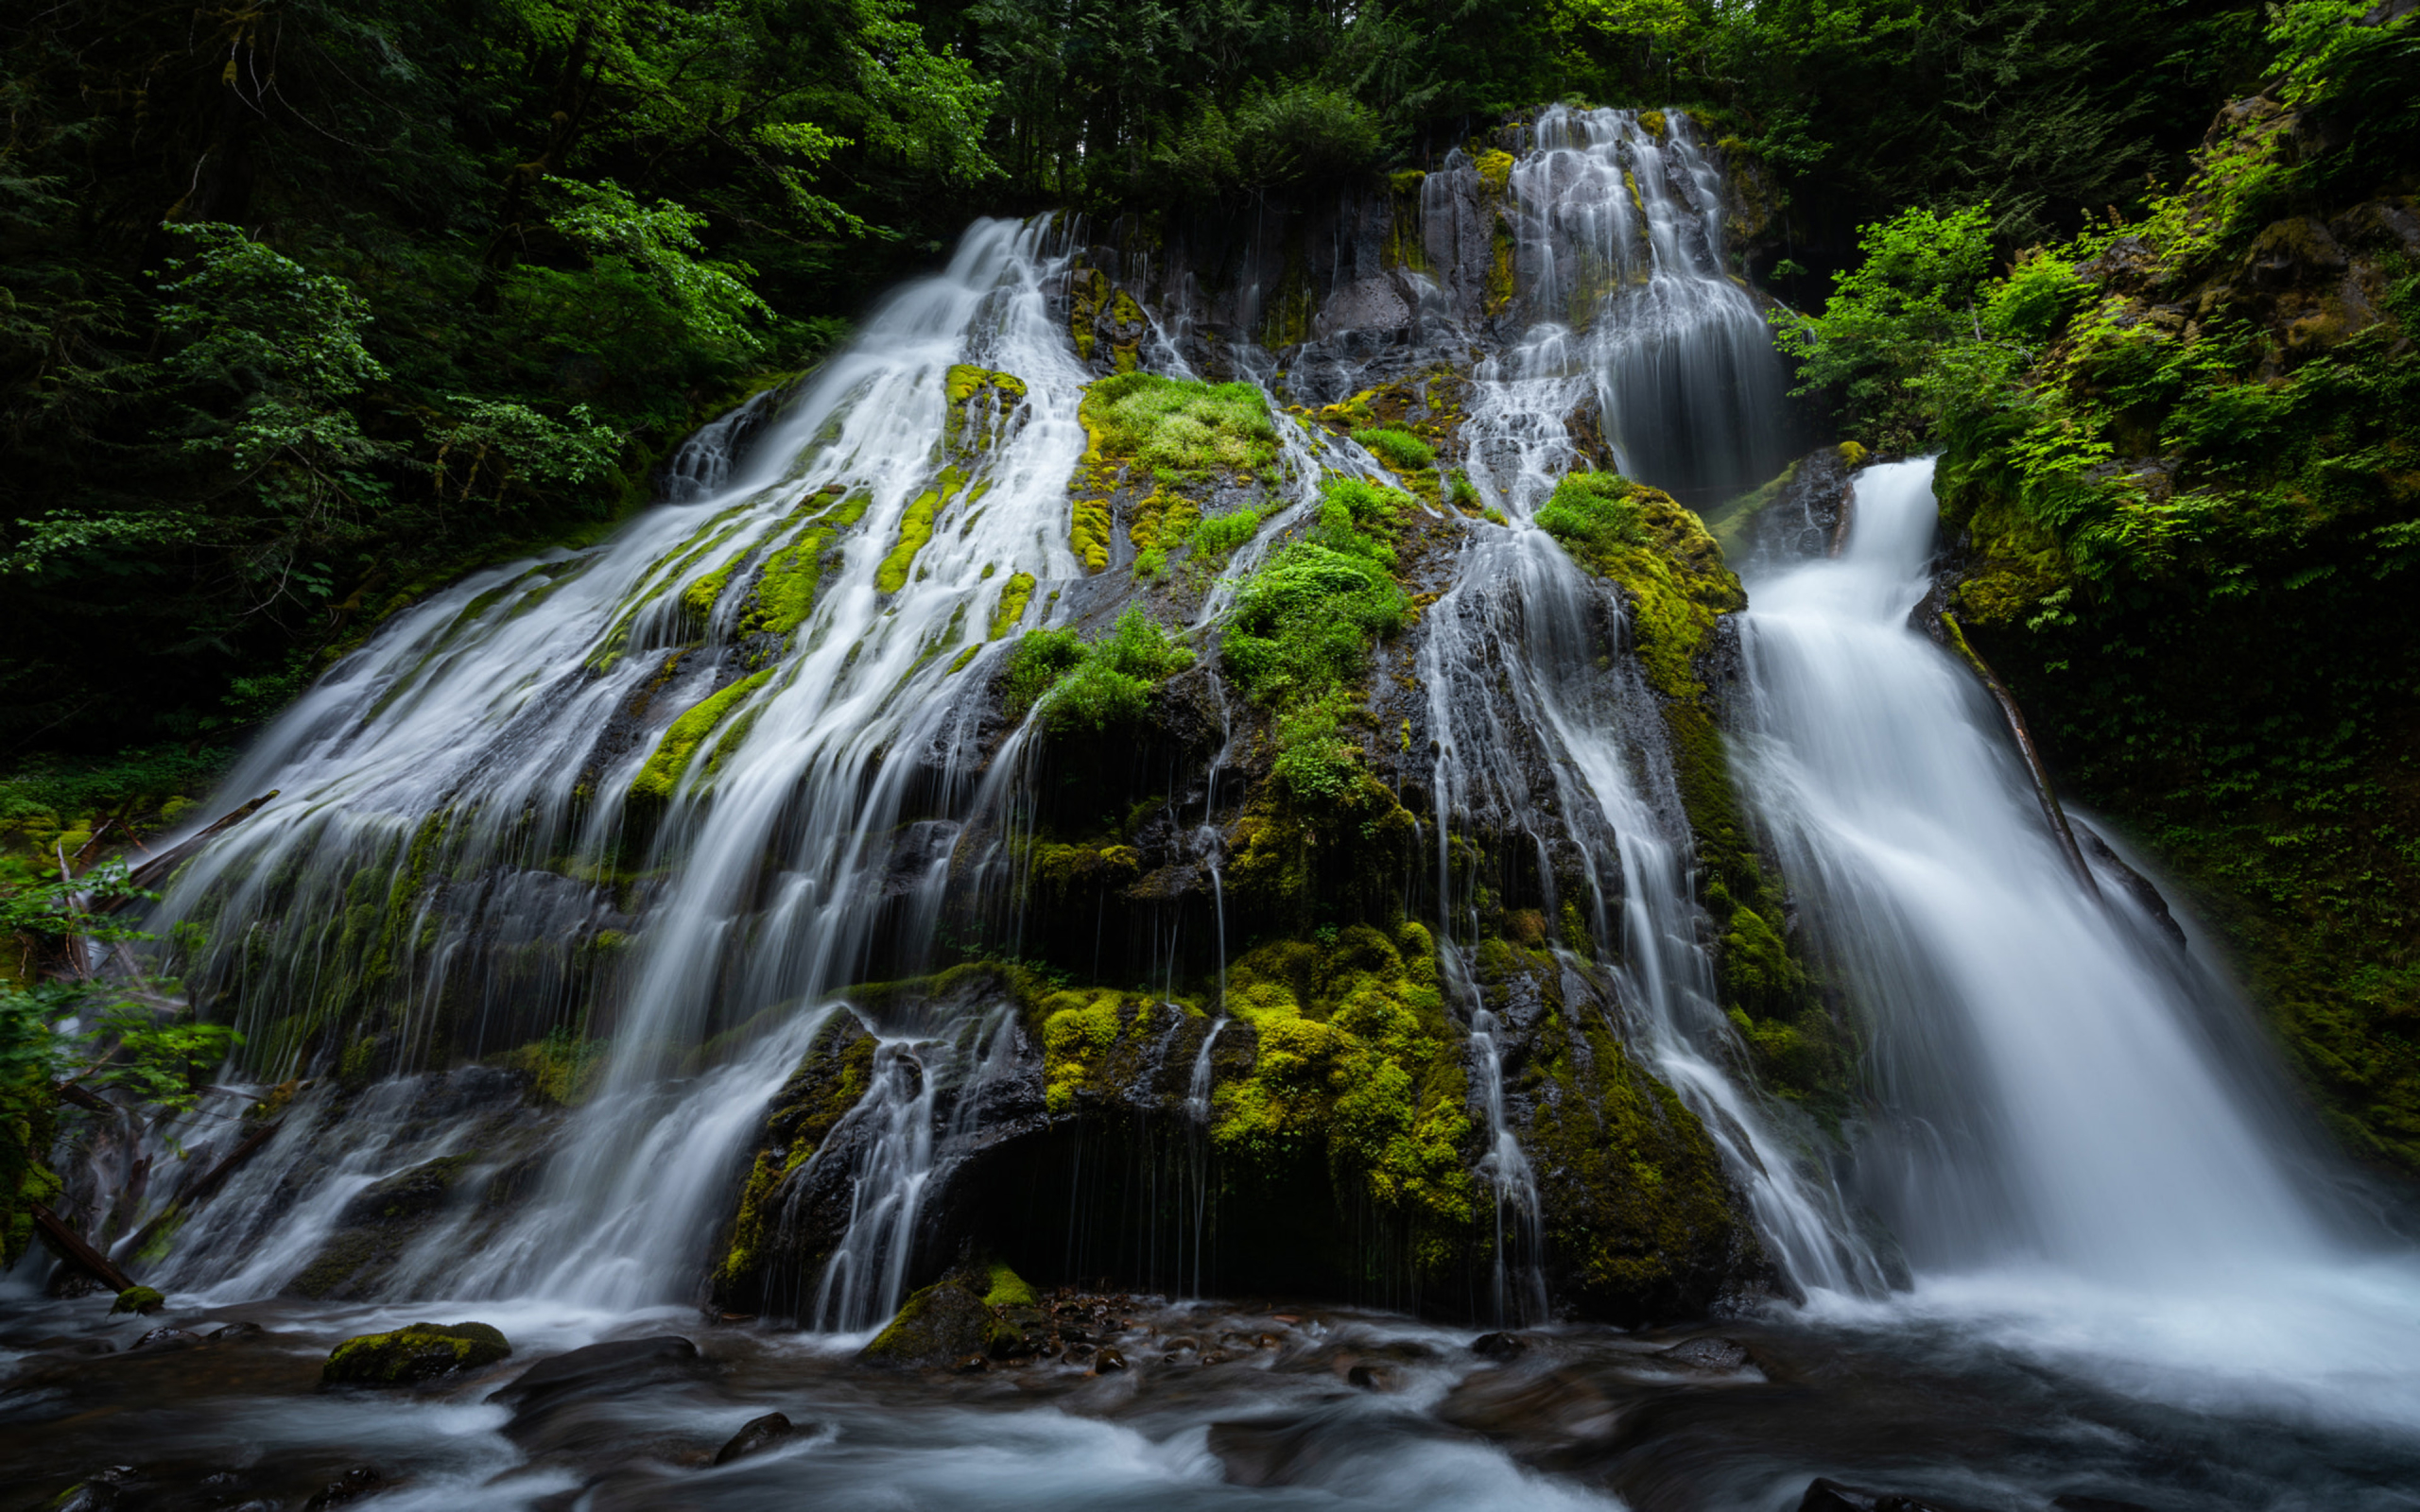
x=2063, y=1141
x=1621, y=230
x=2051, y=1091
x=491, y=765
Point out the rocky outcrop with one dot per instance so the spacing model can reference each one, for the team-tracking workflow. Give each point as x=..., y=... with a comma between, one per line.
x=418, y=1352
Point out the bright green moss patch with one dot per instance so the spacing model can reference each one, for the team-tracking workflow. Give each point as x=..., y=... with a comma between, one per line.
x=1015, y=595
x=915, y=529
x=1217, y=538
x=656, y=779
x=1594, y=515
x=1180, y=424
x=422, y=1351
x=138, y=1299
x=1008, y=1288
x=1398, y=449
x=786, y=589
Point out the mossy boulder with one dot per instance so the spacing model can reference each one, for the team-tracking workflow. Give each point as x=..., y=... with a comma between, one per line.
x=937, y=1327
x=422, y=1351
x=138, y=1299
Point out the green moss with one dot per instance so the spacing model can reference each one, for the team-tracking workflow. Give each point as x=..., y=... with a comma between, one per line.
x=915, y=529
x=662, y=771
x=1008, y=1288
x=1015, y=595
x=421, y=1351
x=563, y=1066
x=829, y=1079
x=138, y=1299
x=1355, y=1057
x=1076, y=1034
x=786, y=589
x=1494, y=170
x=1400, y=449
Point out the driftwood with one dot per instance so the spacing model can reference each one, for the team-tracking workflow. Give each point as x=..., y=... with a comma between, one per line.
x=1957, y=641
x=187, y=1200
x=158, y=868
x=77, y=1252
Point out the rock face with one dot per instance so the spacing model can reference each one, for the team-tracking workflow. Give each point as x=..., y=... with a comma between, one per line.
x=423, y=1352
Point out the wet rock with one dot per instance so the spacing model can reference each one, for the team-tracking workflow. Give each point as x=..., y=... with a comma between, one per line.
x=138, y=1299
x=599, y=1369
x=1708, y=1354
x=159, y=1339
x=756, y=1434
x=1108, y=1361
x=350, y=1487
x=238, y=1329
x=377, y=1226
x=1367, y=1376
x=973, y=1364
x=97, y=1490
x=423, y=1352
x=2072, y=1502
x=1825, y=1495
x=937, y=1327
x=1499, y=1345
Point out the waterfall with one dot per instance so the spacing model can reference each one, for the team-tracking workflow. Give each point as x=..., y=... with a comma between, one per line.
x=2054, y=1088
x=1620, y=232
x=519, y=805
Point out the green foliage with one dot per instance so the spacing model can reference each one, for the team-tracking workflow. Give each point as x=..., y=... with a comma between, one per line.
x=1217, y=538
x=1305, y=622
x=1877, y=341
x=1399, y=449
x=1593, y=515
x=1090, y=686
x=1180, y=426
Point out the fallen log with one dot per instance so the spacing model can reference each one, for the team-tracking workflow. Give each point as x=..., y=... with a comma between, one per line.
x=1956, y=641
x=72, y=1245
x=159, y=868
x=187, y=1200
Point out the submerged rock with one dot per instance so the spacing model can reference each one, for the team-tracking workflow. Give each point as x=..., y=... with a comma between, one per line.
x=756, y=1434
x=423, y=1352
x=1825, y=1495
x=595, y=1370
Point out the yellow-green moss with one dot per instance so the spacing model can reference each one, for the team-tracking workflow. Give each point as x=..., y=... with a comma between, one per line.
x=656, y=779
x=1015, y=595
x=915, y=529
x=1494, y=170
x=417, y=1352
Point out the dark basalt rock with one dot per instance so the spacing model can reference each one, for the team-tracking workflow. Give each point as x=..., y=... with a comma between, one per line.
x=1499, y=1345
x=159, y=1339
x=350, y=1487
x=756, y=1435
x=1709, y=1353
x=238, y=1329
x=1825, y=1495
x=598, y=1369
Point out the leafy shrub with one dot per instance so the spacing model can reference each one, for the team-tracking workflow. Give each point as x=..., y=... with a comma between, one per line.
x=1593, y=515
x=1462, y=491
x=1398, y=449
x=1181, y=424
x=1090, y=686
x=1217, y=537
x=1316, y=760
x=1305, y=622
